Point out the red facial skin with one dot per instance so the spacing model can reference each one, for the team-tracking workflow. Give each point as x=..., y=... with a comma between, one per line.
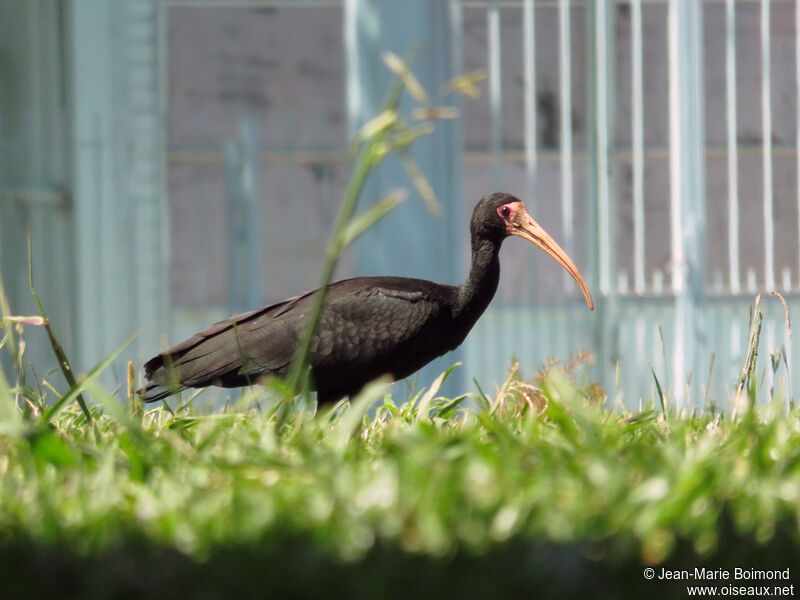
x=519, y=222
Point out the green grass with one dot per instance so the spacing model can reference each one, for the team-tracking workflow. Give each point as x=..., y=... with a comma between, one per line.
x=540, y=491
x=538, y=488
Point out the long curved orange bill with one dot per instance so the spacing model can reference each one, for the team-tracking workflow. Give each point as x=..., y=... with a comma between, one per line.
x=525, y=227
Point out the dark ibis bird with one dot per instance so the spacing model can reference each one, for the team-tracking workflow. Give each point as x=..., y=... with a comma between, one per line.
x=370, y=326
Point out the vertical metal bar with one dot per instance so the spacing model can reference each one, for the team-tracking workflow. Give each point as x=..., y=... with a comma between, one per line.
x=36, y=126
x=456, y=35
x=687, y=197
x=456, y=28
x=152, y=233
x=676, y=193
x=676, y=167
x=163, y=213
x=92, y=107
x=675, y=140
x=244, y=217
x=529, y=82
x=603, y=168
x=640, y=333
x=766, y=148
x=495, y=90
x=353, y=68
x=733, y=151
x=637, y=127
x=106, y=233
x=797, y=117
x=565, y=97
x=361, y=23
x=371, y=28
x=496, y=118
x=600, y=200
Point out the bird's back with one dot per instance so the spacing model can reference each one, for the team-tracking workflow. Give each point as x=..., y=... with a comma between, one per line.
x=371, y=326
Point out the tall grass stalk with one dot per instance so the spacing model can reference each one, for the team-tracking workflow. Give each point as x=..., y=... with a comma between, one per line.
x=387, y=133
x=58, y=350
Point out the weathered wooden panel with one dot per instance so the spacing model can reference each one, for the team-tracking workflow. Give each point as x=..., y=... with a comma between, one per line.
x=284, y=65
x=225, y=64
x=32, y=157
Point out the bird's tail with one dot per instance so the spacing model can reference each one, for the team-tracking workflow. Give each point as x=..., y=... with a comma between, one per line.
x=154, y=391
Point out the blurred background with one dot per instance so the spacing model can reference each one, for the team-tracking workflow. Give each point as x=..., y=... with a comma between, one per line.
x=179, y=161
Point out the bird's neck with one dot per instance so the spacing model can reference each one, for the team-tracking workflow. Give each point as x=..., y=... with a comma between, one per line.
x=484, y=274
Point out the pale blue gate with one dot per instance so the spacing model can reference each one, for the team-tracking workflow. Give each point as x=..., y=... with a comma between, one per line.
x=656, y=140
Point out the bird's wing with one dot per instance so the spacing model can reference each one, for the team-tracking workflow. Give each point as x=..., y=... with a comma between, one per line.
x=366, y=326
x=245, y=345
x=365, y=321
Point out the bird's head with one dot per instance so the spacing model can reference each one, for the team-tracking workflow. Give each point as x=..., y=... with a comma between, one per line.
x=500, y=215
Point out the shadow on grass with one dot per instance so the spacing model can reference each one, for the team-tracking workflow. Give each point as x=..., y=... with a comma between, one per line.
x=289, y=566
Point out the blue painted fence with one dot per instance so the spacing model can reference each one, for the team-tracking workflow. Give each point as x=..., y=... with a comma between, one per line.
x=656, y=140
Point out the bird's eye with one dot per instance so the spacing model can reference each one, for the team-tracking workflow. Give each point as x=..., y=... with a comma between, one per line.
x=504, y=211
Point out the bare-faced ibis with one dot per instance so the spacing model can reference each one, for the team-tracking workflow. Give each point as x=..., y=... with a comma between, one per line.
x=370, y=326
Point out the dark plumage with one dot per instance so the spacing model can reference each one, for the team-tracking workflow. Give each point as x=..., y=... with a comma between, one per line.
x=371, y=326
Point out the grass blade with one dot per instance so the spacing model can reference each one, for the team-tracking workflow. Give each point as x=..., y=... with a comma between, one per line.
x=79, y=387
x=423, y=186
x=445, y=410
x=377, y=125
x=482, y=399
x=6, y=322
x=661, y=398
x=466, y=84
x=372, y=215
x=746, y=378
x=351, y=419
x=399, y=67
x=427, y=397
x=61, y=356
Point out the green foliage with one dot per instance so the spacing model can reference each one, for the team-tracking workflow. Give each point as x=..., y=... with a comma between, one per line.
x=541, y=487
x=542, y=463
x=539, y=491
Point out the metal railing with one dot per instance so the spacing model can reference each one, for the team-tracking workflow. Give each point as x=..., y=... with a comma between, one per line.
x=684, y=306
x=660, y=304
